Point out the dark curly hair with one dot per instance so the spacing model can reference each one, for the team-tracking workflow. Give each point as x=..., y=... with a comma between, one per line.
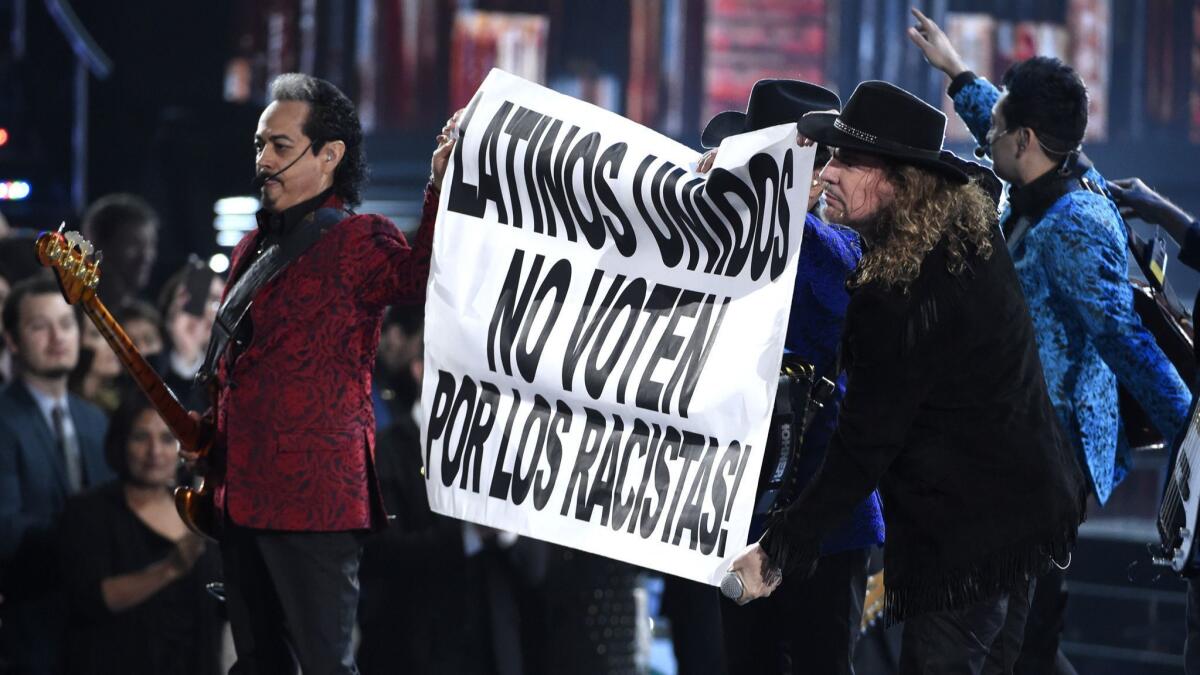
x=925, y=208
x=109, y=214
x=331, y=117
x=1048, y=96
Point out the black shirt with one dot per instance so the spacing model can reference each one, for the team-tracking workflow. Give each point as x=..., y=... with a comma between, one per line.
x=177, y=630
x=275, y=228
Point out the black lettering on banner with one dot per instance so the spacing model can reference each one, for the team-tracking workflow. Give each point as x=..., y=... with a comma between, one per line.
x=693, y=216
x=691, y=450
x=439, y=410
x=468, y=199
x=592, y=225
x=667, y=205
x=531, y=183
x=589, y=450
x=668, y=450
x=624, y=239
x=581, y=334
x=552, y=184
x=721, y=184
x=743, y=458
x=512, y=312
x=520, y=127
x=478, y=432
x=652, y=459
x=695, y=355
x=666, y=234
x=523, y=479
x=662, y=300
x=783, y=215
x=727, y=467
x=501, y=479
x=721, y=229
x=600, y=492
x=452, y=462
x=560, y=424
x=764, y=170
x=649, y=393
x=689, y=518
x=623, y=501
x=630, y=301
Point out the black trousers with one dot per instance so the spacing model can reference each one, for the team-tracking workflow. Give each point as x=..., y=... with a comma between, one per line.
x=291, y=598
x=984, y=638
x=806, y=627
x=1041, y=652
x=1191, y=648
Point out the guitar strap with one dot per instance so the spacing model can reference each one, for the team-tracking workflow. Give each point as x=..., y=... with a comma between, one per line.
x=268, y=265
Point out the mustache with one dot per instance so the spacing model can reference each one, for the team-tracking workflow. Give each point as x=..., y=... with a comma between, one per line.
x=260, y=179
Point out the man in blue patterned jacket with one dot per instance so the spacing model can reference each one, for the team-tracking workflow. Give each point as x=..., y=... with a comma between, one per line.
x=1069, y=243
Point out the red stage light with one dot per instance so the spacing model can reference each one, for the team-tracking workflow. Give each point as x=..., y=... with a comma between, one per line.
x=3, y=136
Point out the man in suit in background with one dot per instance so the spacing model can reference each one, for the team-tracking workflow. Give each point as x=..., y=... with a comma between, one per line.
x=51, y=446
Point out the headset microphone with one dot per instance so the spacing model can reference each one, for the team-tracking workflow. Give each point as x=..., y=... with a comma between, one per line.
x=981, y=151
x=261, y=179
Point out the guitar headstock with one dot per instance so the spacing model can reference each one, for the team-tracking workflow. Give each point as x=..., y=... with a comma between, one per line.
x=74, y=260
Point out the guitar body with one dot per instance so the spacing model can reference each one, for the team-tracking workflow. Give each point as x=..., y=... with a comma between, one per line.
x=78, y=272
x=197, y=508
x=1177, y=516
x=1174, y=336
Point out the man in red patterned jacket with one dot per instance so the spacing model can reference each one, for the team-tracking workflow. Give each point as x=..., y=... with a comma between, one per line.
x=294, y=347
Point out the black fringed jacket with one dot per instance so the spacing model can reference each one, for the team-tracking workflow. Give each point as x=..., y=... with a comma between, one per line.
x=946, y=410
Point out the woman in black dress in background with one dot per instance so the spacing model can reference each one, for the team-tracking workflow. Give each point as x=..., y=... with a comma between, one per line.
x=134, y=574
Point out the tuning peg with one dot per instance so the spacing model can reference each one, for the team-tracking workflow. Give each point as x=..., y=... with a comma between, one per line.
x=62, y=227
x=99, y=257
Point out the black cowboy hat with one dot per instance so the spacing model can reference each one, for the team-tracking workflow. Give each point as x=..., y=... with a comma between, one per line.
x=883, y=119
x=771, y=102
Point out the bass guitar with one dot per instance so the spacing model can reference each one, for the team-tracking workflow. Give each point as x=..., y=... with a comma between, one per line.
x=76, y=264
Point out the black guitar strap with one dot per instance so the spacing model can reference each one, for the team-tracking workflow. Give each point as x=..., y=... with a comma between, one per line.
x=268, y=265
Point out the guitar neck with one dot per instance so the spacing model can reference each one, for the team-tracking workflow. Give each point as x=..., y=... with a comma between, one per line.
x=161, y=397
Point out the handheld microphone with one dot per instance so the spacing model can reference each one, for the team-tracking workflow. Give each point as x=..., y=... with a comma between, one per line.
x=260, y=179
x=732, y=586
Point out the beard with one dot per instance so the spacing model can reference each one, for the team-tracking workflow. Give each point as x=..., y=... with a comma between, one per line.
x=50, y=373
x=872, y=230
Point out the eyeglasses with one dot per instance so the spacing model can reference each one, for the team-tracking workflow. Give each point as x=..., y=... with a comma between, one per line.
x=992, y=135
x=989, y=139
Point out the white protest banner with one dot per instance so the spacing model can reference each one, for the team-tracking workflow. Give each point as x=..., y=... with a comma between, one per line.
x=604, y=328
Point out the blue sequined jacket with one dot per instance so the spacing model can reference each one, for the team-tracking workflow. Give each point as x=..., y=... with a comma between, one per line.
x=828, y=255
x=1073, y=267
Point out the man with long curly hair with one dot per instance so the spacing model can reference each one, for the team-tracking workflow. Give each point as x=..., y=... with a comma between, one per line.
x=946, y=409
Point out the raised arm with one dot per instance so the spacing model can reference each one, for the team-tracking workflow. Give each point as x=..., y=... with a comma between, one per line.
x=973, y=96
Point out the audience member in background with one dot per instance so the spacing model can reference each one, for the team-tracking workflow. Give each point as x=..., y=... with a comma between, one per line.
x=439, y=595
x=133, y=574
x=142, y=323
x=17, y=262
x=188, y=302
x=96, y=374
x=125, y=228
x=393, y=389
x=1070, y=250
x=1137, y=200
x=50, y=448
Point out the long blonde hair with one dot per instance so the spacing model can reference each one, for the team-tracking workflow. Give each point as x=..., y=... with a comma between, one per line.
x=925, y=208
